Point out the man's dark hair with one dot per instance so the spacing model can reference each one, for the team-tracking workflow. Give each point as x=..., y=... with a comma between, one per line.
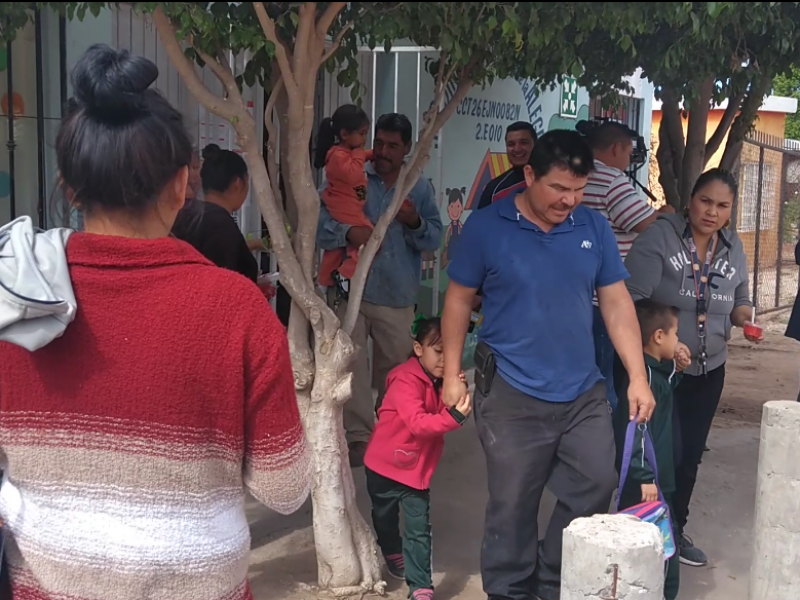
x=395, y=123
x=653, y=316
x=602, y=136
x=562, y=149
x=522, y=126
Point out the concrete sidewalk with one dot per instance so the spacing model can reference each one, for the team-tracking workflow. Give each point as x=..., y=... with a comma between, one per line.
x=283, y=562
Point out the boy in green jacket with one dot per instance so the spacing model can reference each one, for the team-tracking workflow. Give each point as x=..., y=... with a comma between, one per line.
x=659, y=325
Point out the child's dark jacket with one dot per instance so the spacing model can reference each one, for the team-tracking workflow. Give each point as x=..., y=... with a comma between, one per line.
x=663, y=380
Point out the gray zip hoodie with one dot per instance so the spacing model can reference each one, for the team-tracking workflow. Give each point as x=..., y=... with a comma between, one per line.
x=660, y=268
x=37, y=302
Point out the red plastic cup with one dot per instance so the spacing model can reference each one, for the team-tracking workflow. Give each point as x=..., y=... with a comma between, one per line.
x=754, y=330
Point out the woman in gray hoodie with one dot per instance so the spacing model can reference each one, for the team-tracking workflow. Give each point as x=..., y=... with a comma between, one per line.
x=692, y=261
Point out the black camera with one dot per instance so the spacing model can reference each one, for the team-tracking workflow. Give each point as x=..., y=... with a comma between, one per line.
x=639, y=154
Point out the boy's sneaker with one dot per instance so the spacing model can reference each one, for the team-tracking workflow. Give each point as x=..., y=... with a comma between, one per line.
x=396, y=565
x=422, y=594
x=689, y=554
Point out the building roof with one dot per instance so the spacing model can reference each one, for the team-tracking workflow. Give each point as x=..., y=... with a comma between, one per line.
x=775, y=104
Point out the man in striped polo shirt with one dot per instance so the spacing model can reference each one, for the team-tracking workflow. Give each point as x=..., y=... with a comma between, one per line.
x=610, y=192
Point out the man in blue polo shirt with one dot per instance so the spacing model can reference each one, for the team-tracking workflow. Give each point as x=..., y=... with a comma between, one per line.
x=543, y=419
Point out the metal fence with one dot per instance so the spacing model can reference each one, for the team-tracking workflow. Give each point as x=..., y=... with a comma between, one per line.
x=767, y=218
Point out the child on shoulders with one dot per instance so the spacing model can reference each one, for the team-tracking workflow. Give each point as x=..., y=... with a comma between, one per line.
x=659, y=326
x=402, y=456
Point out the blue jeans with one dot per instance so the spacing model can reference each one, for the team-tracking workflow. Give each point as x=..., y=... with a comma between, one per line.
x=604, y=355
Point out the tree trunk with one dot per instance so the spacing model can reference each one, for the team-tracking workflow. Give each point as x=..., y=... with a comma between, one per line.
x=695, y=152
x=670, y=148
x=744, y=122
x=347, y=556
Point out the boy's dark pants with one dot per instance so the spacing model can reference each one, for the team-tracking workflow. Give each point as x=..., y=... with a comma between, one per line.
x=631, y=496
x=388, y=497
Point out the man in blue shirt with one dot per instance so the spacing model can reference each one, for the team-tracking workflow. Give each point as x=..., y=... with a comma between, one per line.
x=543, y=419
x=387, y=310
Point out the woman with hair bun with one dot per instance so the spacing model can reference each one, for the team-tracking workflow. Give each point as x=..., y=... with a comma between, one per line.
x=131, y=429
x=209, y=226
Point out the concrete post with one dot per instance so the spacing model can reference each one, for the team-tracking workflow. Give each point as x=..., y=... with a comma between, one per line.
x=612, y=557
x=776, y=549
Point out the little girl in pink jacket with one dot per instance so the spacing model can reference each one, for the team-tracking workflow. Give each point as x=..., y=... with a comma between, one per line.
x=402, y=455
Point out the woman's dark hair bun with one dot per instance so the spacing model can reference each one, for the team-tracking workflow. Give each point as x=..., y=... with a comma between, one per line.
x=112, y=83
x=211, y=152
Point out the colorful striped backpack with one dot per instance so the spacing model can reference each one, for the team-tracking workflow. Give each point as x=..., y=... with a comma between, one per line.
x=656, y=512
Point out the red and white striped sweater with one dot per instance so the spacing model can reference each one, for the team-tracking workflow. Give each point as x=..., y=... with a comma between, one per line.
x=128, y=442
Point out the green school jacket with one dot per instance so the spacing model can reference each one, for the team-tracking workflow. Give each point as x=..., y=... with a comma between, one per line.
x=663, y=380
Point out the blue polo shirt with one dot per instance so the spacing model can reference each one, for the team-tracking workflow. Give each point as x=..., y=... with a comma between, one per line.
x=537, y=294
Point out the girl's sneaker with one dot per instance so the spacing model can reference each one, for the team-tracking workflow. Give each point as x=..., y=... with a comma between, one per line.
x=396, y=565
x=342, y=285
x=422, y=594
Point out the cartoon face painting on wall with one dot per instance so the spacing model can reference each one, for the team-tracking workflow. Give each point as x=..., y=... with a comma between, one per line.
x=455, y=209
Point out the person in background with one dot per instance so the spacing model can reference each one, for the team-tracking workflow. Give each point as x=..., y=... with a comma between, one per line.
x=131, y=428
x=402, y=456
x=209, y=226
x=520, y=138
x=610, y=192
x=387, y=311
x=793, y=327
x=340, y=151
x=659, y=325
x=694, y=262
x=194, y=186
x=541, y=414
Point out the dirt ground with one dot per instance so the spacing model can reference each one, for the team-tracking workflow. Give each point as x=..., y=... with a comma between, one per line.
x=283, y=564
x=758, y=373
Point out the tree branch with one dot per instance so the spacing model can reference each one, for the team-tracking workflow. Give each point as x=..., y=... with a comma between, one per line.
x=337, y=41
x=696, y=129
x=186, y=68
x=328, y=17
x=716, y=139
x=273, y=137
x=304, y=40
x=671, y=116
x=281, y=55
x=222, y=71
x=743, y=123
x=667, y=176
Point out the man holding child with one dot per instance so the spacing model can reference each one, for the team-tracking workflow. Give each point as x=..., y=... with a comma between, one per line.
x=540, y=403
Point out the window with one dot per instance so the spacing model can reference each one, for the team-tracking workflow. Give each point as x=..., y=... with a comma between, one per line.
x=628, y=111
x=748, y=197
